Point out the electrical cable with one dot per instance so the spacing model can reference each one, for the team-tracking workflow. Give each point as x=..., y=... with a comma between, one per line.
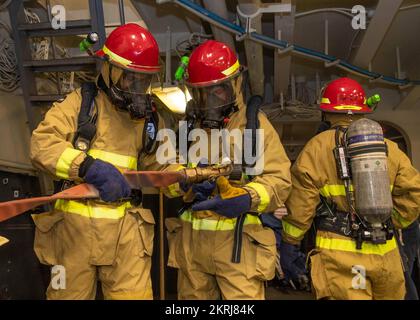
x=9, y=76
x=5, y=4
x=336, y=10
x=193, y=40
x=345, y=10
x=40, y=51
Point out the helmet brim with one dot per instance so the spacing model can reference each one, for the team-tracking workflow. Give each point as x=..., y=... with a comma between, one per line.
x=214, y=82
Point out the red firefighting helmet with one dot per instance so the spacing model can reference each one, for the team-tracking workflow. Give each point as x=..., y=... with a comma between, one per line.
x=132, y=47
x=344, y=95
x=210, y=63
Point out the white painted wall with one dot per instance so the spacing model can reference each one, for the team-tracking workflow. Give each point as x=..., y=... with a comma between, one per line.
x=407, y=119
x=15, y=135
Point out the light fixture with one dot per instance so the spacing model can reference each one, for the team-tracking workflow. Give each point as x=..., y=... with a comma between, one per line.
x=173, y=97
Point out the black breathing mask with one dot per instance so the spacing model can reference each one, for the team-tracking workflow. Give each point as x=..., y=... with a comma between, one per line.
x=139, y=106
x=212, y=105
x=131, y=93
x=213, y=118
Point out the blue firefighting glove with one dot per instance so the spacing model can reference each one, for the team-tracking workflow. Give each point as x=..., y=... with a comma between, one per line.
x=198, y=191
x=203, y=190
x=186, y=186
x=231, y=201
x=270, y=221
x=106, y=178
x=293, y=261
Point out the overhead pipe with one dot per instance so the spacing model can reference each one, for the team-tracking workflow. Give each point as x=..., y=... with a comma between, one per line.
x=281, y=44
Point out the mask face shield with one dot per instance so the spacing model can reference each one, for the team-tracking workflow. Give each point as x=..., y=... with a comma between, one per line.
x=131, y=91
x=214, y=96
x=211, y=103
x=135, y=83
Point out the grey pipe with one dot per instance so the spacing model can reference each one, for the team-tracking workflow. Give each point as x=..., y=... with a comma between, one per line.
x=121, y=9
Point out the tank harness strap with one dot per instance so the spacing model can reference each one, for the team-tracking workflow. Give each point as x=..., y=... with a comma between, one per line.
x=237, y=240
x=86, y=125
x=150, y=132
x=252, y=123
x=86, y=120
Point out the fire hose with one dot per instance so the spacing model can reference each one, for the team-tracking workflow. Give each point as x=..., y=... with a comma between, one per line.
x=136, y=180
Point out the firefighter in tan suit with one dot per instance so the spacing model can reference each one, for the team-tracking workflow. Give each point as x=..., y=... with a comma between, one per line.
x=212, y=262
x=339, y=269
x=109, y=239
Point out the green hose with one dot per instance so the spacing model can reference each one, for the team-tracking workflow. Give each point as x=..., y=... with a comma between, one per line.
x=180, y=71
x=373, y=101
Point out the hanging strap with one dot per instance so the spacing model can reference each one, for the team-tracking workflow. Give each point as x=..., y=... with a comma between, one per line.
x=86, y=120
x=237, y=240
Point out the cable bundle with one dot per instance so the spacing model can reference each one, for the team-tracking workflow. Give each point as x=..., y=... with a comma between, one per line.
x=9, y=76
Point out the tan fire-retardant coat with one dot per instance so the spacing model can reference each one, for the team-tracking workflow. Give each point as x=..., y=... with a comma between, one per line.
x=93, y=240
x=201, y=243
x=333, y=272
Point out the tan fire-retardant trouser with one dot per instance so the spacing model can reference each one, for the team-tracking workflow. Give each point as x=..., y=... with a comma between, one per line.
x=341, y=273
x=117, y=252
x=203, y=258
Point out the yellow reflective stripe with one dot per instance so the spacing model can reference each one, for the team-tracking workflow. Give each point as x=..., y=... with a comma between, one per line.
x=64, y=162
x=336, y=190
x=126, y=162
x=216, y=225
x=350, y=246
x=333, y=190
x=173, y=188
x=115, y=57
x=347, y=108
x=325, y=100
x=291, y=230
x=231, y=69
x=263, y=194
x=96, y=211
x=403, y=222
